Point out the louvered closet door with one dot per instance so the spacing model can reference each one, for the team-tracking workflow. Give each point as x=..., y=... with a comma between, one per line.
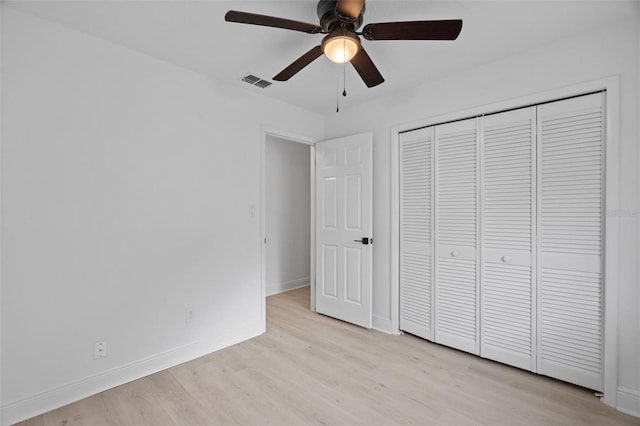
x=456, y=277
x=508, y=198
x=416, y=232
x=571, y=170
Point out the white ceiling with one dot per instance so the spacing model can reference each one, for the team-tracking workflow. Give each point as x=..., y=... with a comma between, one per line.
x=193, y=34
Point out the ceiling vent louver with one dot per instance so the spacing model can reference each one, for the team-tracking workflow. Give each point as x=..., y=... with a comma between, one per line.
x=256, y=81
x=251, y=79
x=263, y=83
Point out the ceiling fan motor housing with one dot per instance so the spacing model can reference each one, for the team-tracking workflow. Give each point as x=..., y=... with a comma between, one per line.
x=330, y=20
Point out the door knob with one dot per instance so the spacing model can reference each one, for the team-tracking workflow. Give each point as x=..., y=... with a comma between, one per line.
x=365, y=241
x=455, y=253
x=506, y=259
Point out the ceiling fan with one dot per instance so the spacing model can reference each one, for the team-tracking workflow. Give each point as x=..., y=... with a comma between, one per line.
x=340, y=19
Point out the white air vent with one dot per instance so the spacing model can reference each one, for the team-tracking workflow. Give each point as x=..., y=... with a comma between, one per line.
x=251, y=79
x=263, y=83
x=256, y=81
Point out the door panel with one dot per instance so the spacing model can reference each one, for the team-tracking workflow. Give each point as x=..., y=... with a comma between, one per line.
x=353, y=202
x=416, y=256
x=571, y=209
x=508, y=209
x=329, y=193
x=456, y=251
x=329, y=271
x=344, y=203
x=353, y=281
x=456, y=311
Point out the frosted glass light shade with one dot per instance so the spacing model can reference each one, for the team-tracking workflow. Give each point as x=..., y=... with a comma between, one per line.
x=340, y=49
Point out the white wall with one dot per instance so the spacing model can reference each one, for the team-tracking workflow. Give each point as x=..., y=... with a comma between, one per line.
x=610, y=51
x=287, y=214
x=126, y=188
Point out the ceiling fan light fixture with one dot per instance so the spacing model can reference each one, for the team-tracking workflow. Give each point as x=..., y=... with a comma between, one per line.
x=340, y=47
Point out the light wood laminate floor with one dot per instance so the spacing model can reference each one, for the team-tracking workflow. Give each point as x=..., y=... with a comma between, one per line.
x=312, y=370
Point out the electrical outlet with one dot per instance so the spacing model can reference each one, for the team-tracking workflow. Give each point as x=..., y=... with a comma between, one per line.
x=99, y=350
x=188, y=315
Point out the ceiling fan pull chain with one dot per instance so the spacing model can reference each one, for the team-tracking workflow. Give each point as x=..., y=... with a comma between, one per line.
x=337, y=91
x=344, y=79
x=344, y=70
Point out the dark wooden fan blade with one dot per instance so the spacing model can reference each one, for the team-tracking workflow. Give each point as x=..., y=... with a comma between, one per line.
x=349, y=8
x=298, y=64
x=366, y=68
x=271, y=21
x=413, y=30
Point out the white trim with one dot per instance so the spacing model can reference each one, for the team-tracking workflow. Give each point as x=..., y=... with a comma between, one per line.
x=23, y=409
x=282, y=134
x=382, y=324
x=277, y=288
x=479, y=230
x=611, y=239
x=1, y=209
x=312, y=231
x=535, y=226
x=629, y=401
x=612, y=231
x=394, y=241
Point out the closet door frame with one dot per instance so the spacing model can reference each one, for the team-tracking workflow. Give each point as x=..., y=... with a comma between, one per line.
x=612, y=229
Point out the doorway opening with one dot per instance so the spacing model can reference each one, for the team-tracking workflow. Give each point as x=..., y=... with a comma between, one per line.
x=287, y=213
x=342, y=180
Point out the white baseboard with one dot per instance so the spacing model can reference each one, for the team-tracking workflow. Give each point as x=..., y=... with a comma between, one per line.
x=275, y=288
x=382, y=324
x=46, y=401
x=628, y=401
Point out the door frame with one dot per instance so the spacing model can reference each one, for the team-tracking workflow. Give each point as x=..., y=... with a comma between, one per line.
x=306, y=140
x=612, y=202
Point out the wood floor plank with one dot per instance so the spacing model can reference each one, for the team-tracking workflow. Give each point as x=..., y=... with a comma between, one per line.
x=308, y=369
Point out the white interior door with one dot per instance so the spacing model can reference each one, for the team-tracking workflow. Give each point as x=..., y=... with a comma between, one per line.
x=344, y=174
